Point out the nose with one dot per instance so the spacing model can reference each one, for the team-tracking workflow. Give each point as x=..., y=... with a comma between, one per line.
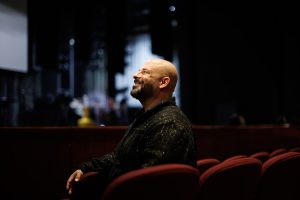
x=136, y=74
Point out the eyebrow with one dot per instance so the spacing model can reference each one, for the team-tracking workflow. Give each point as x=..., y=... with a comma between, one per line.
x=145, y=70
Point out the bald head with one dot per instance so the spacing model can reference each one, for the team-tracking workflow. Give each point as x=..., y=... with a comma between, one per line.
x=164, y=68
x=154, y=82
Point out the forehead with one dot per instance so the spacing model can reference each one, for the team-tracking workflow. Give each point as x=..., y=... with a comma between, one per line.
x=150, y=66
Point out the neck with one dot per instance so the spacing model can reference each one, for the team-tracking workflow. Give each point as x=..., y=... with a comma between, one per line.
x=152, y=102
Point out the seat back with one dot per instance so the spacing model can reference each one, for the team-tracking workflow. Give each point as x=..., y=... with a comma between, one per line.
x=234, y=157
x=263, y=156
x=167, y=181
x=206, y=163
x=280, y=178
x=296, y=149
x=90, y=186
x=234, y=179
x=277, y=152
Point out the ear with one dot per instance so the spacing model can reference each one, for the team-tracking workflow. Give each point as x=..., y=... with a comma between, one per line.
x=164, y=82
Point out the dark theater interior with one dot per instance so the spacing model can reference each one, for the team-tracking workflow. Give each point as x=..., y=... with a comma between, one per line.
x=66, y=71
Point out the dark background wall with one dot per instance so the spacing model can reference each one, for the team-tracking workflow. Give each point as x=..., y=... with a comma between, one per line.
x=240, y=56
x=233, y=57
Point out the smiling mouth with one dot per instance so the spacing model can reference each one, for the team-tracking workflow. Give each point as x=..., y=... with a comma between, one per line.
x=136, y=82
x=135, y=85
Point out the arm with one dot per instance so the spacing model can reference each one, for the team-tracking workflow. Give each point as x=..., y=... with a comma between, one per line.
x=96, y=164
x=103, y=163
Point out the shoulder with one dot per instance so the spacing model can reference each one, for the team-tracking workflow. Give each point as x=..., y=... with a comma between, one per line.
x=171, y=115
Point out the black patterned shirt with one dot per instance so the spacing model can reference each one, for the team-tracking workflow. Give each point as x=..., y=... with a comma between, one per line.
x=160, y=135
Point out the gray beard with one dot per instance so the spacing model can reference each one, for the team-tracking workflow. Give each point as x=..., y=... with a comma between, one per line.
x=142, y=92
x=136, y=93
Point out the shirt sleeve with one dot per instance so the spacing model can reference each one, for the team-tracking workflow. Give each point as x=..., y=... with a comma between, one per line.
x=99, y=164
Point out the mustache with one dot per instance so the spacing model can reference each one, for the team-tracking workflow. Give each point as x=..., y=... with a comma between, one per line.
x=138, y=81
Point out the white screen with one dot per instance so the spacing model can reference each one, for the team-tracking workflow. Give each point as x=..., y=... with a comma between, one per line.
x=13, y=35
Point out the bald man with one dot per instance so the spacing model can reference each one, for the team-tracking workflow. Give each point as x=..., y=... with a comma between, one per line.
x=154, y=82
x=160, y=133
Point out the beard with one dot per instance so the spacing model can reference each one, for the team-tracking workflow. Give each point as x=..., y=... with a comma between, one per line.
x=142, y=91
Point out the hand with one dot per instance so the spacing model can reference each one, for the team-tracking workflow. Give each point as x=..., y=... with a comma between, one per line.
x=74, y=177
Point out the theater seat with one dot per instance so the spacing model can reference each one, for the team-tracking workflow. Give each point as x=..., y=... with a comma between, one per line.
x=90, y=187
x=234, y=179
x=234, y=157
x=263, y=156
x=277, y=152
x=280, y=178
x=161, y=182
x=206, y=163
x=295, y=149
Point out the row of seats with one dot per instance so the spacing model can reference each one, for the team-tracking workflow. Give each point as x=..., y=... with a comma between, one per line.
x=160, y=182
x=238, y=177
x=247, y=178
x=265, y=155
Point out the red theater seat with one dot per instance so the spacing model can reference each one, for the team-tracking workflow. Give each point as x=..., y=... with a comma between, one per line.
x=295, y=149
x=280, y=178
x=161, y=182
x=235, y=157
x=263, y=156
x=206, y=163
x=234, y=179
x=277, y=152
x=89, y=187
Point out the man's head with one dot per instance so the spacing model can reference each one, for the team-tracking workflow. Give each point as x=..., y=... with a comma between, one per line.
x=156, y=79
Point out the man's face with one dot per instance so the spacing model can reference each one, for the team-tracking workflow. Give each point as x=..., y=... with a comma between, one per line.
x=146, y=82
